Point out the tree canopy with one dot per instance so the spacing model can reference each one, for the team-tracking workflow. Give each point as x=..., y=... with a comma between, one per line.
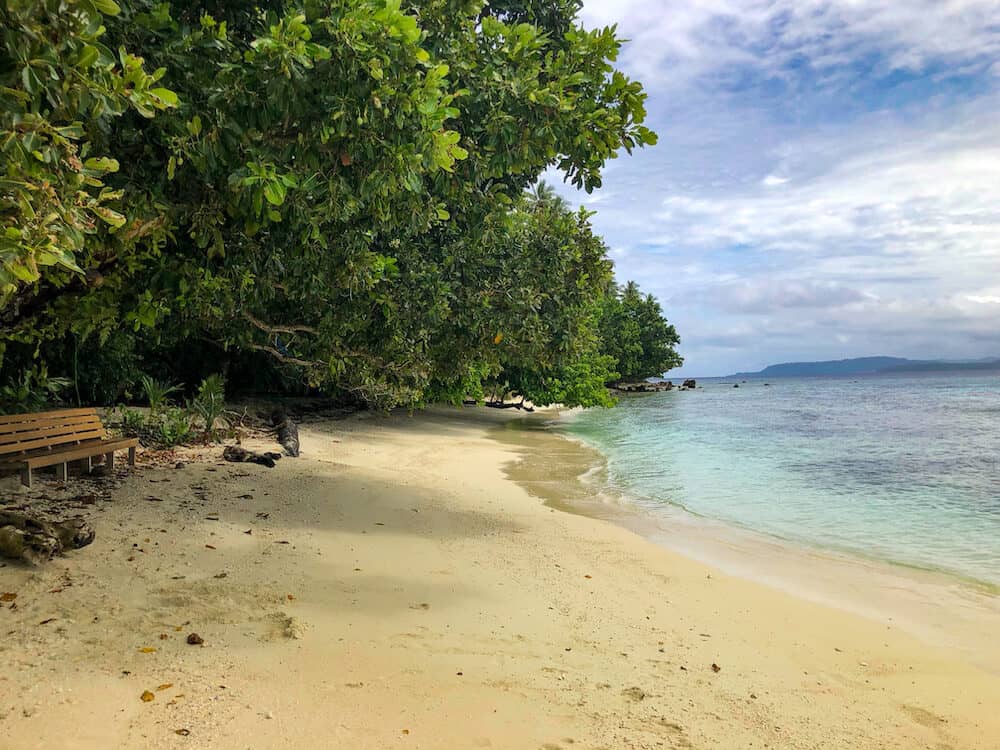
x=633, y=331
x=323, y=193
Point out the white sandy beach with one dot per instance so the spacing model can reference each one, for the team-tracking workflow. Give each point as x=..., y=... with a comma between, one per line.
x=391, y=588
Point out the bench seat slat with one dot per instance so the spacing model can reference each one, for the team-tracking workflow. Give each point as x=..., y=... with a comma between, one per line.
x=55, y=441
x=18, y=459
x=73, y=452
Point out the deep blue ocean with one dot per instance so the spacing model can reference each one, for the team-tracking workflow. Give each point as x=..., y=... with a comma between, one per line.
x=901, y=469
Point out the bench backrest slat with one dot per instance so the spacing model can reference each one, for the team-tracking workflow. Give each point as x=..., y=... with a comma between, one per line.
x=20, y=433
x=83, y=411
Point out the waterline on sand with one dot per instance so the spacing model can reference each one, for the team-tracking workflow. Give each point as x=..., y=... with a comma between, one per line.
x=946, y=610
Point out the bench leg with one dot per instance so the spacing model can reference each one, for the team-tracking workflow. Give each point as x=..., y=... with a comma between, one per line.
x=62, y=472
x=110, y=458
x=26, y=477
x=131, y=456
x=86, y=464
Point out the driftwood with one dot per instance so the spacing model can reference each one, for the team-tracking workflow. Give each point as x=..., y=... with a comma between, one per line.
x=500, y=405
x=237, y=454
x=506, y=405
x=33, y=539
x=288, y=432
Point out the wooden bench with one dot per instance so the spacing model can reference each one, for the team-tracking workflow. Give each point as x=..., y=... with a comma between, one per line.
x=55, y=438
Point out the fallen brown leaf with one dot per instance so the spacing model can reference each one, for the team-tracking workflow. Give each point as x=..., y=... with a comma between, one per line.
x=716, y=667
x=165, y=686
x=182, y=732
x=147, y=696
x=8, y=596
x=147, y=650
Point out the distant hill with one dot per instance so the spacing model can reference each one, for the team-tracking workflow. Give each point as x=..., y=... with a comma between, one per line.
x=868, y=366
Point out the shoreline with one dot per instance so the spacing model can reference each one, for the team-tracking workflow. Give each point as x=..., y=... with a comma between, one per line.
x=393, y=588
x=939, y=606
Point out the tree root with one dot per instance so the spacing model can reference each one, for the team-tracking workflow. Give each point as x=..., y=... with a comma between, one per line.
x=35, y=540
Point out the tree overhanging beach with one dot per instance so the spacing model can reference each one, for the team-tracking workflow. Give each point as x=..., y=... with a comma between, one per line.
x=314, y=195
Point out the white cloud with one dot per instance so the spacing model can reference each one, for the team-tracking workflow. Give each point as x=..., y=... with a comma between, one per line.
x=673, y=43
x=827, y=182
x=931, y=196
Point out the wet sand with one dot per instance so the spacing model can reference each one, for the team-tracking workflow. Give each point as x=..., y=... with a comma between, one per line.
x=941, y=609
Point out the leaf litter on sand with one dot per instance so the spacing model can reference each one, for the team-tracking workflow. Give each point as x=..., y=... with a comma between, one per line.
x=146, y=696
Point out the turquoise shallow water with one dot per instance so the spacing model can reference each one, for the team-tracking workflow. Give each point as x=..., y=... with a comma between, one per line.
x=903, y=469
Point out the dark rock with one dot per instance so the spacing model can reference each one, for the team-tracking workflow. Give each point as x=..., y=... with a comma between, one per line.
x=237, y=454
x=288, y=432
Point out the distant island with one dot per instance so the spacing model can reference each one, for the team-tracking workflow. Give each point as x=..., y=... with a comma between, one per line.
x=868, y=366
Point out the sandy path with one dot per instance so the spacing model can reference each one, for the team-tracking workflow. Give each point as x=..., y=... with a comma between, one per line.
x=397, y=591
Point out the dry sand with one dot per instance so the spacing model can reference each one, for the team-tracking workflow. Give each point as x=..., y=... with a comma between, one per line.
x=392, y=588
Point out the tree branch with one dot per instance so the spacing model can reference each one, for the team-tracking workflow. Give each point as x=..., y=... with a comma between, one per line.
x=289, y=360
x=278, y=329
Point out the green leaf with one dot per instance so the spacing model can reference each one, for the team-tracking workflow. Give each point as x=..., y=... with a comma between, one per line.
x=113, y=218
x=166, y=96
x=107, y=7
x=274, y=192
x=88, y=56
x=102, y=164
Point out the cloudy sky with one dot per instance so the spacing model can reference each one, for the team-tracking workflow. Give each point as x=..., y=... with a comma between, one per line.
x=827, y=182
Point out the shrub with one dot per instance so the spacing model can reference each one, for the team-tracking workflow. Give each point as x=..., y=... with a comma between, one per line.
x=173, y=426
x=157, y=391
x=210, y=402
x=133, y=423
x=33, y=391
